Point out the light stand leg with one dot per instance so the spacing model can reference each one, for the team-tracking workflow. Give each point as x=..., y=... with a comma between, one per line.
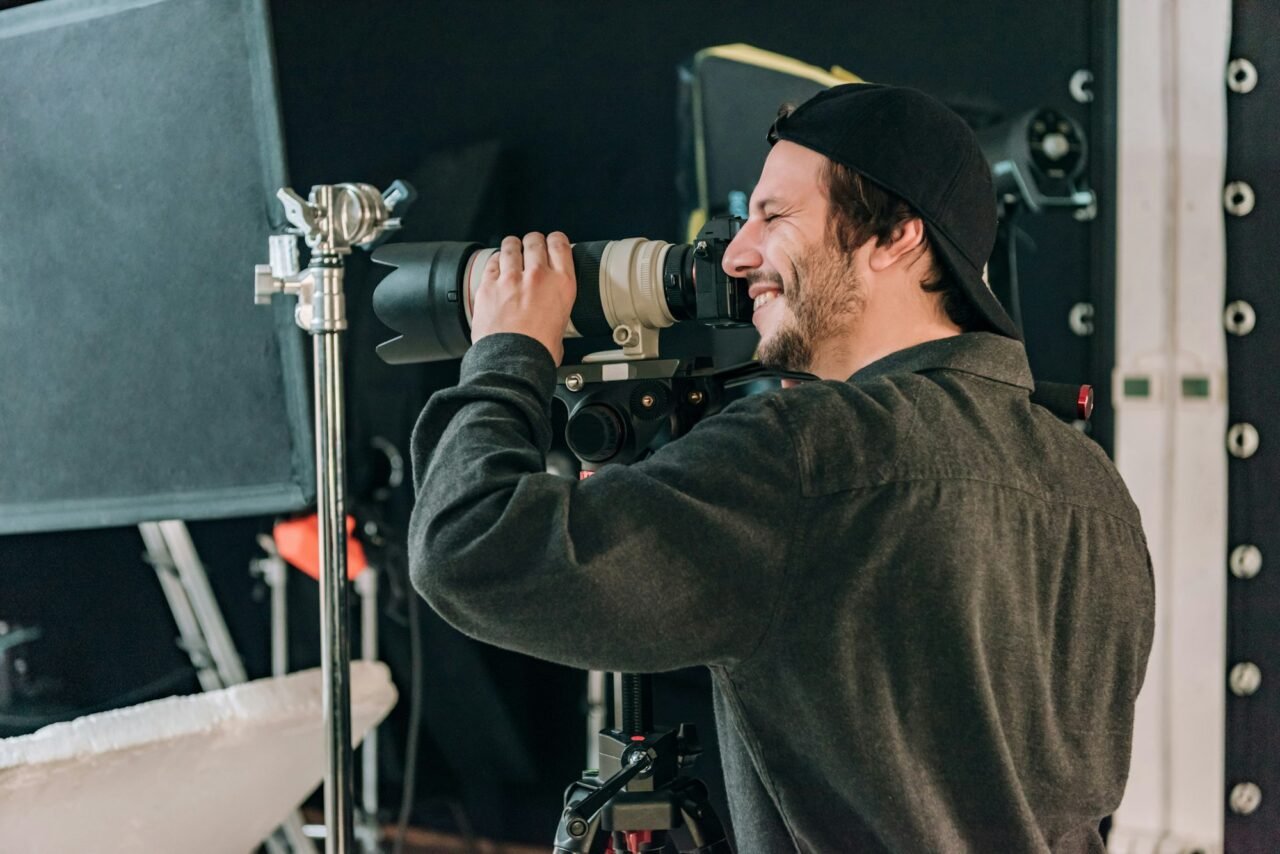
x=192, y=638
x=334, y=635
x=367, y=588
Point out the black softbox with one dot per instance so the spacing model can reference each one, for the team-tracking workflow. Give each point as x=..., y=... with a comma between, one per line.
x=140, y=150
x=728, y=97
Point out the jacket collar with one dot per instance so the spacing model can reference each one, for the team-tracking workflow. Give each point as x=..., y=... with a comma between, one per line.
x=983, y=354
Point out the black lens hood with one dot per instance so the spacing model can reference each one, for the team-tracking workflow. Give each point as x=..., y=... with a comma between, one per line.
x=423, y=300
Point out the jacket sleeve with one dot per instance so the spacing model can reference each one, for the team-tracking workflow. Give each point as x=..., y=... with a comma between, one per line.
x=674, y=561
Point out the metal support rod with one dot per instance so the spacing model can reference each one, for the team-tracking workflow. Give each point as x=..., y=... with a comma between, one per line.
x=617, y=699
x=595, y=715
x=367, y=587
x=331, y=229
x=278, y=581
x=335, y=644
x=637, y=703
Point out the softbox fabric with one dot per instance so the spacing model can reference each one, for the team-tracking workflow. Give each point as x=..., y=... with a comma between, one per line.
x=140, y=150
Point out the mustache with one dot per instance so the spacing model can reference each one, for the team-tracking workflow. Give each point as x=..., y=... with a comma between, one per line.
x=763, y=277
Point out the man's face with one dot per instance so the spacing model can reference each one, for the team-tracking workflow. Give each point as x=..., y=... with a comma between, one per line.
x=804, y=287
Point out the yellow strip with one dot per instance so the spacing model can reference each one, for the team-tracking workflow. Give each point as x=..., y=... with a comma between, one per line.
x=697, y=219
x=749, y=55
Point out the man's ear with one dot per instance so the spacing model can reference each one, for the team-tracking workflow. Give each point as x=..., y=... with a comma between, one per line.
x=904, y=242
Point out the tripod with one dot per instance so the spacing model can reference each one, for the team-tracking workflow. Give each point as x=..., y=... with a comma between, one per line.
x=644, y=797
x=639, y=795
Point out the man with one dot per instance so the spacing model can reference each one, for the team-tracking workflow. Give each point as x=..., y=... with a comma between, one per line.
x=926, y=604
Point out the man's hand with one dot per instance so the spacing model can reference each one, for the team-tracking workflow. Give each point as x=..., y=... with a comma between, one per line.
x=527, y=288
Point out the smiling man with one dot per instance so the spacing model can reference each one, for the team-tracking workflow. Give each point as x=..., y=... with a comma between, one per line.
x=926, y=604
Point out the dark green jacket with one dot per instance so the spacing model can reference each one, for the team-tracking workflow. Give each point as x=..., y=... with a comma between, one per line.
x=925, y=602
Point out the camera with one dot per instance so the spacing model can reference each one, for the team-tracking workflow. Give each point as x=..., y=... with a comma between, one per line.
x=628, y=289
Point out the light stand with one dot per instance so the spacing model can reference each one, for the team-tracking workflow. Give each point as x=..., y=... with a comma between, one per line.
x=333, y=219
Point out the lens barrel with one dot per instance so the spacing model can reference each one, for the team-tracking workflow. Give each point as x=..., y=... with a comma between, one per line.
x=624, y=287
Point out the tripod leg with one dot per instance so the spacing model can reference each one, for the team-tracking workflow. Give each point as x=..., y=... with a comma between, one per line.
x=576, y=835
x=706, y=833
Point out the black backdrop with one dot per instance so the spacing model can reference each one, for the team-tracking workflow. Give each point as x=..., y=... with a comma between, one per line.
x=579, y=101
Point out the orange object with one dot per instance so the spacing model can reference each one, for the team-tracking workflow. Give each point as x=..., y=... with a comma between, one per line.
x=298, y=541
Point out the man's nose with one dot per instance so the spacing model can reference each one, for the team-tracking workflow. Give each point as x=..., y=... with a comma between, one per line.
x=742, y=254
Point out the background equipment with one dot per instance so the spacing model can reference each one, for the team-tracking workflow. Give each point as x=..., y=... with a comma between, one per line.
x=140, y=153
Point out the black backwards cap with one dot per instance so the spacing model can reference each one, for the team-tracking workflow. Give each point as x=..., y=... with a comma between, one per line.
x=915, y=147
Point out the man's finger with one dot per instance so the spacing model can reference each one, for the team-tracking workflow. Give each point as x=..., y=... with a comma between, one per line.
x=559, y=252
x=535, y=251
x=491, y=268
x=511, y=256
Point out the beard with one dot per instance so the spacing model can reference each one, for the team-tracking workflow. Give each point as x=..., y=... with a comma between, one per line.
x=823, y=298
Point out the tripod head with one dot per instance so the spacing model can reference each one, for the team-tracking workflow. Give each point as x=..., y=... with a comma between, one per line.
x=617, y=410
x=643, y=798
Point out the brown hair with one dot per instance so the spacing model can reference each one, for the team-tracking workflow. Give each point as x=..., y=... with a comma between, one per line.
x=861, y=210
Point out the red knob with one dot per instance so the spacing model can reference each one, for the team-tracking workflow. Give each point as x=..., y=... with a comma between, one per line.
x=1084, y=402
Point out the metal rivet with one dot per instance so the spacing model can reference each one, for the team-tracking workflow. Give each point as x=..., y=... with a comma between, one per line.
x=573, y=382
x=647, y=401
x=1242, y=76
x=1080, y=86
x=1238, y=198
x=695, y=397
x=1245, y=678
x=1245, y=561
x=1081, y=319
x=1242, y=440
x=1239, y=318
x=1245, y=798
